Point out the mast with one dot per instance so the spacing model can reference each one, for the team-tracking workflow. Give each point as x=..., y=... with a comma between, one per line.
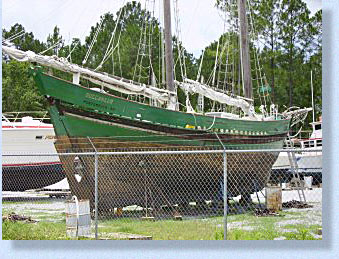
x=313, y=115
x=169, y=54
x=163, y=79
x=244, y=50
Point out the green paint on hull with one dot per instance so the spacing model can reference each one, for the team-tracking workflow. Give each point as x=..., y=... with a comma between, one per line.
x=87, y=100
x=79, y=127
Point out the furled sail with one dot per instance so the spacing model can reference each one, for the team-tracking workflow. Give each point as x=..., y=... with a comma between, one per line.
x=112, y=82
x=193, y=87
x=127, y=86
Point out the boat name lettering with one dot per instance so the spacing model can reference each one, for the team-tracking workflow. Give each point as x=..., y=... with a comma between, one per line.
x=98, y=98
x=99, y=105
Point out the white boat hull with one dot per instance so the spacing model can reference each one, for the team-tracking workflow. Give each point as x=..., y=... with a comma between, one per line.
x=309, y=164
x=20, y=173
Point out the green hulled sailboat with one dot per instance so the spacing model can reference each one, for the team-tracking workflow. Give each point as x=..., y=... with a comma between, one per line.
x=77, y=111
x=86, y=118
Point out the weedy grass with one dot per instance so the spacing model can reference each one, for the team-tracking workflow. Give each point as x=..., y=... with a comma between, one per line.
x=241, y=227
x=164, y=229
x=300, y=234
x=33, y=231
x=261, y=233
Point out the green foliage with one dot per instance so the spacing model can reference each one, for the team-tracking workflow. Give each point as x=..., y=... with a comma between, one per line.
x=23, y=40
x=54, y=42
x=33, y=231
x=19, y=92
x=288, y=39
x=263, y=229
x=301, y=234
x=258, y=234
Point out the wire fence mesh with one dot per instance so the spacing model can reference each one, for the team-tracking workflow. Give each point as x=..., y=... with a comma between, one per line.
x=171, y=194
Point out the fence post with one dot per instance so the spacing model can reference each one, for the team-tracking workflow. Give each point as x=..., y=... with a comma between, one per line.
x=96, y=195
x=95, y=189
x=225, y=195
x=225, y=185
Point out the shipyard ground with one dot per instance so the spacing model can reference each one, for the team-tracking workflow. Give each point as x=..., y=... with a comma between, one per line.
x=49, y=212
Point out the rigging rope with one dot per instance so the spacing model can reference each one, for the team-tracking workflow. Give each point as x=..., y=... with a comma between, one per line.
x=261, y=77
x=110, y=47
x=16, y=35
x=51, y=47
x=143, y=68
x=200, y=66
x=181, y=53
x=93, y=41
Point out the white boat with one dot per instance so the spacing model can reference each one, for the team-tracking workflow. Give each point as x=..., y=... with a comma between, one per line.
x=309, y=162
x=27, y=135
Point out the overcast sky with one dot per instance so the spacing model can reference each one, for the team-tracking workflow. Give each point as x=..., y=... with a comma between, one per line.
x=200, y=21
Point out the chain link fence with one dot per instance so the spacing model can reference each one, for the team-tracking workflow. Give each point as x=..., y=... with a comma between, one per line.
x=172, y=194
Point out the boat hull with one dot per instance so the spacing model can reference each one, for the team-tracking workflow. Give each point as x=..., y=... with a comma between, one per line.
x=31, y=176
x=171, y=179
x=167, y=179
x=309, y=164
x=86, y=120
x=20, y=172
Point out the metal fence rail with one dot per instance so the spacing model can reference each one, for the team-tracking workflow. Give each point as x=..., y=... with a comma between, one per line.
x=171, y=194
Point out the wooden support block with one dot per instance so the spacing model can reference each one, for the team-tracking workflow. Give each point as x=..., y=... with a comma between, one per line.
x=124, y=236
x=148, y=218
x=274, y=198
x=119, y=211
x=177, y=217
x=140, y=238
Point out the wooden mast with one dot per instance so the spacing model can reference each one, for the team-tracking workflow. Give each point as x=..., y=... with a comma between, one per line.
x=244, y=50
x=169, y=54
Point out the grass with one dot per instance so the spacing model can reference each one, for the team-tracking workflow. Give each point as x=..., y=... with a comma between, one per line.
x=256, y=228
x=166, y=229
x=33, y=231
x=160, y=230
x=301, y=234
x=257, y=234
x=265, y=234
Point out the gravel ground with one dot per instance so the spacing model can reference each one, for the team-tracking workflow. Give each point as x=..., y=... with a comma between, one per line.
x=35, y=205
x=308, y=216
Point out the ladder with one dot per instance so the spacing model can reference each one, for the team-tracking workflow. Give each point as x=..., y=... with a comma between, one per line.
x=299, y=186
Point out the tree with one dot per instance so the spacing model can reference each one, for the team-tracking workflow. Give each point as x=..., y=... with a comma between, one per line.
x=136, y=44
x=19, y=92
x=22, y=39
x=294, y=39
x=75, y=52
x=316, y=60
x=265, y=18
x=55, y=42
x=288, y=40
